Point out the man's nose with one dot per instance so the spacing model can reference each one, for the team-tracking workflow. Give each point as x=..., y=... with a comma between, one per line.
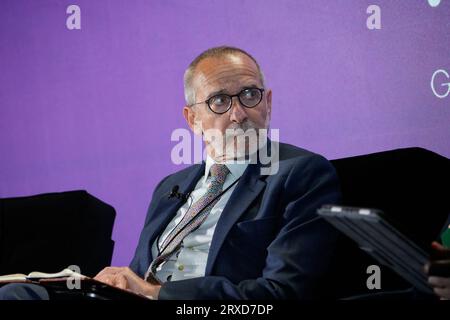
x=238, y=113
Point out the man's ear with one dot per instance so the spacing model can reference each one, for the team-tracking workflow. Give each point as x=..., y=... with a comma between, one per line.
x=190, y=115
x=269, y=102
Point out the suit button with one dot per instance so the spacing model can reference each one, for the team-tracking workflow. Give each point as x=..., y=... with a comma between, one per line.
x=181, y=267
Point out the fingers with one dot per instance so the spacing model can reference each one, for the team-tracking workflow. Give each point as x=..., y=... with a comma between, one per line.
x=437, y=246
x=115, y=280
x=426, y=268
x=440, y=264
x=439, y=252
x=441, y=286
x=120, y=281
x=125, y=278
x=444, y=293
x=108, y=279
x=439, y=282
x=114, y=276
x=109, y=270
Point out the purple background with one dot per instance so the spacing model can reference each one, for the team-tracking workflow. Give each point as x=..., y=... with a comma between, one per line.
x=94, y=108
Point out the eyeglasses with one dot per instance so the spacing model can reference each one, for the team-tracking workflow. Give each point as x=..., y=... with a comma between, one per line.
x=221, y=103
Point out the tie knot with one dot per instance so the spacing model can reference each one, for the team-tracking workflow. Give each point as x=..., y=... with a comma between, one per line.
x=219, y=172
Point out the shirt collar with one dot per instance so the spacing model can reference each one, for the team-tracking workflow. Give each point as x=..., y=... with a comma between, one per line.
x=236, y=168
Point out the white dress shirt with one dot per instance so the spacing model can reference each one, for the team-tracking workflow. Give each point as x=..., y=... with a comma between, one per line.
x=190, y=261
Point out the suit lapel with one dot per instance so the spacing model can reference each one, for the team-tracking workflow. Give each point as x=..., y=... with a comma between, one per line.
x=245, y=192
x=167, y=208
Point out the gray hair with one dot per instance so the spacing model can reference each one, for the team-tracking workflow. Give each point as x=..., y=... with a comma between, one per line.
x=216, y=52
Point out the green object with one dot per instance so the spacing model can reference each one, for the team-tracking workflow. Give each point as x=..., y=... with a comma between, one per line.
x=445, y=237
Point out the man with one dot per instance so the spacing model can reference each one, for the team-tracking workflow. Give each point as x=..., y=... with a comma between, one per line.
x=262, y=239
x=223, y=229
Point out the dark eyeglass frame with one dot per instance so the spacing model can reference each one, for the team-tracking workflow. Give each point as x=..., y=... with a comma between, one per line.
x=209, y=100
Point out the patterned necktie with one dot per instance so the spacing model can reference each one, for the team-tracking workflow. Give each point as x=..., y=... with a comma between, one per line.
x=193, y=218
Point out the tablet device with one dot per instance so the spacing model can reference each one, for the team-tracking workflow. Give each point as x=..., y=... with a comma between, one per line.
x=376, y=236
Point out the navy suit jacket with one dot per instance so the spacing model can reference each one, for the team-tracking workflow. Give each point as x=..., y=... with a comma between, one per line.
x=269, y=242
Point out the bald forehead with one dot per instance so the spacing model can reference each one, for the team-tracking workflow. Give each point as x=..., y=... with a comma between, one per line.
x=228, y=72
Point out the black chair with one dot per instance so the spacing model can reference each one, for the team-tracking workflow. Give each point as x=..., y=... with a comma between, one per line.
x=49, y=232
x=412, y=187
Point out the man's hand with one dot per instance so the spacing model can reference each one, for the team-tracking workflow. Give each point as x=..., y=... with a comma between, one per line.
x=125, y=278
x=439, y=263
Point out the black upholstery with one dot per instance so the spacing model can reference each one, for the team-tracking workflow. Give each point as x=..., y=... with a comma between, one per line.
x=412, y=187
x=49, y=232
